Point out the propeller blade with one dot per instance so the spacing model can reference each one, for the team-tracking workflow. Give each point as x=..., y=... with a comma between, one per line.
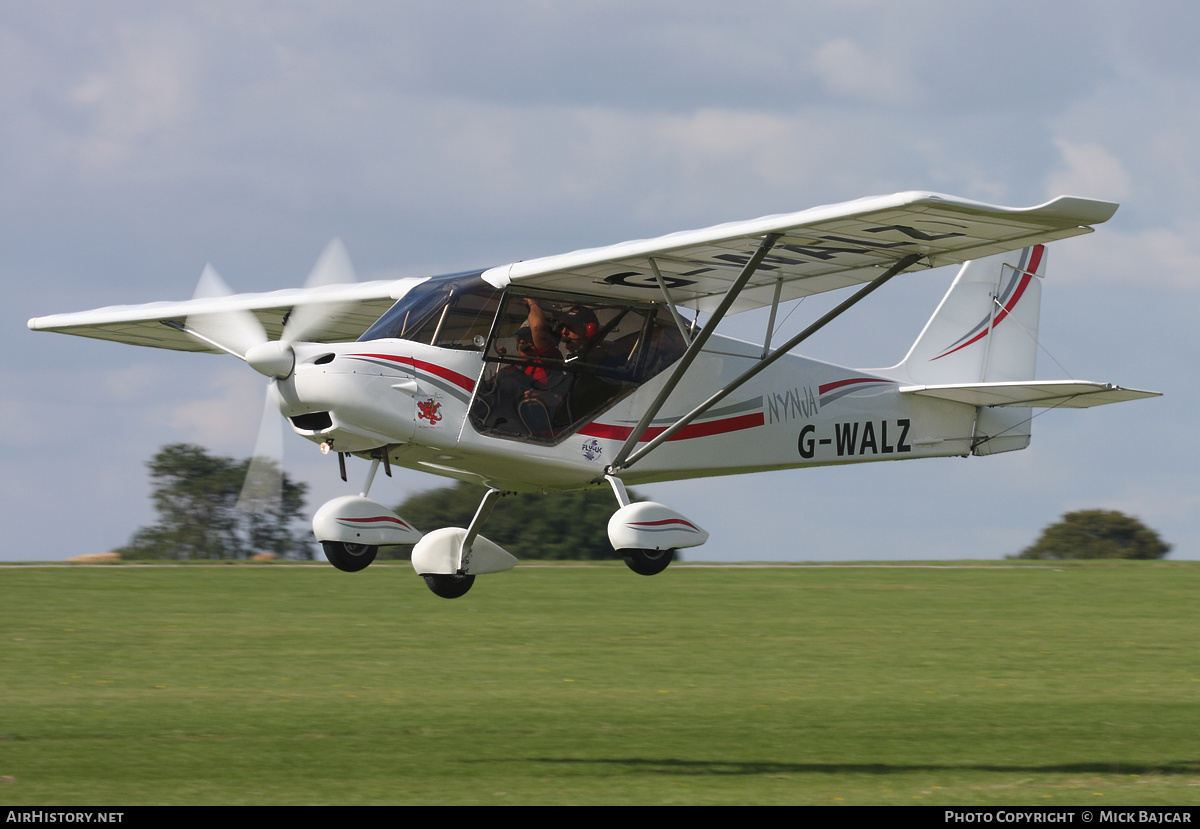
x=262, y=491
x=235, y=331
x=332, y=268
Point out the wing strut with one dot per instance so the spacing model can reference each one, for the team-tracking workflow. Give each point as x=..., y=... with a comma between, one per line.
x=694, y=347
x=771, y=322
x=179, y=326
x=662, y=284
x=625, y=460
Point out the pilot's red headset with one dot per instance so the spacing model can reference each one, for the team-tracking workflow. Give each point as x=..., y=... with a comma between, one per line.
x=590, y=329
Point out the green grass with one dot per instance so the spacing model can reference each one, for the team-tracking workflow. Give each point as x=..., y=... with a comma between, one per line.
x=1030, y=685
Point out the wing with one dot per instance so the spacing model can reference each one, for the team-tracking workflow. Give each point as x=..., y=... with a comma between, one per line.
x=355, y=307
x=821, y=249
x=1049, y=394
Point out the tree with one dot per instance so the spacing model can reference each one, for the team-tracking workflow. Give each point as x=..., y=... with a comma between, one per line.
x=1097, y=533
x=196, y=496
x=559, y=525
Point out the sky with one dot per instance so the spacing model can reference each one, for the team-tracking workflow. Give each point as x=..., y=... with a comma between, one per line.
x=141, y=140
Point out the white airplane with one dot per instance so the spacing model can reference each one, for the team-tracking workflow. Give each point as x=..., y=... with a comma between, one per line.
x=581, y=370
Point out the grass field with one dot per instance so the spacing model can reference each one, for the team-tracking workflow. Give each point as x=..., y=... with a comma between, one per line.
x=277, y=684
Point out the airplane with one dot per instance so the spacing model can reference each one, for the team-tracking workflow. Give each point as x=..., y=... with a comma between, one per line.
x=583, y=370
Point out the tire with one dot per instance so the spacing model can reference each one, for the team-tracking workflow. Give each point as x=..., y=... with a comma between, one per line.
x=647, y=562
x=349, y=558
x=448, y=586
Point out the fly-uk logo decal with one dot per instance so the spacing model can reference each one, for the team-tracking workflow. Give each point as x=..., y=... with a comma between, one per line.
x=592, y=449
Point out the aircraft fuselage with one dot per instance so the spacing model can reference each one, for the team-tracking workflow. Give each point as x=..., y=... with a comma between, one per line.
x=414, y=399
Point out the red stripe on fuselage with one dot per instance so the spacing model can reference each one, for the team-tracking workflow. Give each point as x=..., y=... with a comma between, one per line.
x=693, y=430
x=460, y=380
x=827, y=387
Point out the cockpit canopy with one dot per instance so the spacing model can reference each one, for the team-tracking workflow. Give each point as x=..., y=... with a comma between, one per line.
x=590, y=353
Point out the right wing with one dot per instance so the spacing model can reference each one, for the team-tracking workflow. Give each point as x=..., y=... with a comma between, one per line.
x=819, y=250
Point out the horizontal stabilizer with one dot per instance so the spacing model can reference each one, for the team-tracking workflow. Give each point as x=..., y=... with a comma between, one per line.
x=1068, y=394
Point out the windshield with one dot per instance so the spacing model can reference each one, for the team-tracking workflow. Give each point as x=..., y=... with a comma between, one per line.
x=454, y=311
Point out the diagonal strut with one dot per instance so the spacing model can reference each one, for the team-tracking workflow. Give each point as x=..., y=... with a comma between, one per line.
x=625, y=461
x=693, y=349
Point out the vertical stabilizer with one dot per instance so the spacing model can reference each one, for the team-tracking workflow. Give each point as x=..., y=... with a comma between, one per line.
x=985, y=331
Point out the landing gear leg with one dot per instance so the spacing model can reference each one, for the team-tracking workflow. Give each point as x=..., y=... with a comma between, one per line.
x=451, y=549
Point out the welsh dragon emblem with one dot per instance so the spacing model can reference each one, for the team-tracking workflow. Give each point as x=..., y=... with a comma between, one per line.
x=430, y=410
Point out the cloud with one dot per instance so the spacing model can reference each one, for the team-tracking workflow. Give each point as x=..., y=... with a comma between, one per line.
x=850, y=71
x=224, y=414
x=1088, y=170
x=144, y=85
x=1158, y=258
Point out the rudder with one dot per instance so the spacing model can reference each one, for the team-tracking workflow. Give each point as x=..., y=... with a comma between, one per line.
x=985, y=331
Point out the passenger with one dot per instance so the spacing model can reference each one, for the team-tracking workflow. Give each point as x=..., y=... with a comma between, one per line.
x=536, y=341
x=523, y=396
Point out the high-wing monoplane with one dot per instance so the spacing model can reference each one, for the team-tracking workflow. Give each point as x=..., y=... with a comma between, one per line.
x=584, y=369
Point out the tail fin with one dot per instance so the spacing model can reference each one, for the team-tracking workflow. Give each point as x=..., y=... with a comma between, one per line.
x=985, y=331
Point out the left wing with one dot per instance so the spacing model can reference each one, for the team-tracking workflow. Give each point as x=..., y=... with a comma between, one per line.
x=354, y=308
x=819, y=250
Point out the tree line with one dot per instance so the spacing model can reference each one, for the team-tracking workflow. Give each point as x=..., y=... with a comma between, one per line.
x=204, y=512
x=196, y=496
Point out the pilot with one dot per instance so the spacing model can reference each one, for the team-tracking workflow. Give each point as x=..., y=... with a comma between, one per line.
x=584, y=341
x=580, y=331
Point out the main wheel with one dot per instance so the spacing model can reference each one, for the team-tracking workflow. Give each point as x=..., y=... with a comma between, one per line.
x=449, y=586
x=647, y=562
x=349, y=558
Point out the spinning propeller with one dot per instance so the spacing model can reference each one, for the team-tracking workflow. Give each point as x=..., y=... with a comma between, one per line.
x=239, y=332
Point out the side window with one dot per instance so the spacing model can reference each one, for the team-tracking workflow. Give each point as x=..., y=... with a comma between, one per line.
x=554, y=363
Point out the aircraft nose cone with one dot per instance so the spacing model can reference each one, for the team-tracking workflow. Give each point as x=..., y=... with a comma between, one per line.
x=274, y=359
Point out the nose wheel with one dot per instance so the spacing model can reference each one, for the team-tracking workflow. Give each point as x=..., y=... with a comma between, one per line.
x=348, y=557
x=647, y=562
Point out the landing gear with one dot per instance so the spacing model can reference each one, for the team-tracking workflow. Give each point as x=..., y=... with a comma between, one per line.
x=647, y=562
x=349, y=558
x=637, y=525
x=450, y=558
x=449, y=586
